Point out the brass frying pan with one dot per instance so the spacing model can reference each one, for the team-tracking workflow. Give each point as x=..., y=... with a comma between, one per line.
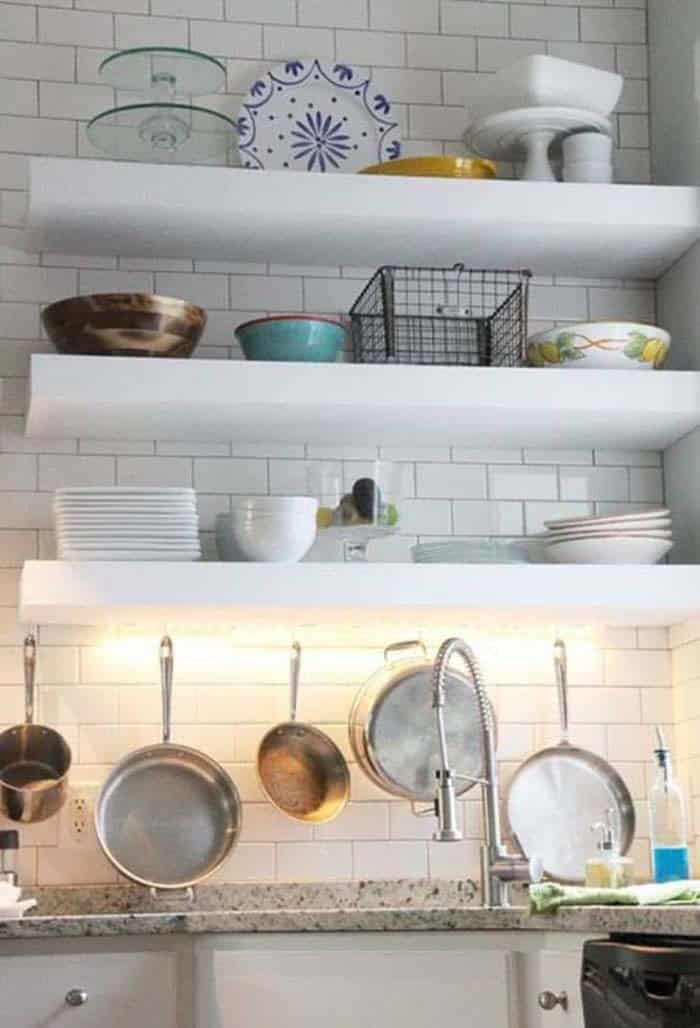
x=301, y=770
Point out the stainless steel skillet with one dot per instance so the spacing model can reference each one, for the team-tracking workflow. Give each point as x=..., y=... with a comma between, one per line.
x=559, y=793
x=167, y=815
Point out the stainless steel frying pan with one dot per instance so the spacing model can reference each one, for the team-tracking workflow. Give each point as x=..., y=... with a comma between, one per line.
x=301, y=769
x=559, y=793
x=167, y=816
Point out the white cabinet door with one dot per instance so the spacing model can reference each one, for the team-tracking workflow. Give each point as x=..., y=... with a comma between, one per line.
x=381, y=981
x=123, y=990
x=558, y=973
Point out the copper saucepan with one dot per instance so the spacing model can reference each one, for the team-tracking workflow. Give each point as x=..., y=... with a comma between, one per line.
x=34, y=760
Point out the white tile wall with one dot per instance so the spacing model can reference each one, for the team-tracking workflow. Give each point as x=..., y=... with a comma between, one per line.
x=102, y=692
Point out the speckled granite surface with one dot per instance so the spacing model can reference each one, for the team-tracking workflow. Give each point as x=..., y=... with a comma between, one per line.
x=346, y=907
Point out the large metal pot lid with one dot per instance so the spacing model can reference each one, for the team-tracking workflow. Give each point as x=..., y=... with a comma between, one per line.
x=402, y=734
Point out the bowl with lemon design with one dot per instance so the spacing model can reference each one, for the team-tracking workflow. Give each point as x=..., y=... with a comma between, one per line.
x=621, y=345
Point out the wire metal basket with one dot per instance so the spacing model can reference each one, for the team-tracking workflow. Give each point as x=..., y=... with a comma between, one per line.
x=441, y=316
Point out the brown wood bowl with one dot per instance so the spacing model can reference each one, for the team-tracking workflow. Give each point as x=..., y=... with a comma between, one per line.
x=124, y=325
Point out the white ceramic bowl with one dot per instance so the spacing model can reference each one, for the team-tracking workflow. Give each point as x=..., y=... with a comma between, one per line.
x=301, y=505
x=609, y=550
x=621, y=345
x=543, y=81
x=280, y=537
x=585, y=520
x=662, y=530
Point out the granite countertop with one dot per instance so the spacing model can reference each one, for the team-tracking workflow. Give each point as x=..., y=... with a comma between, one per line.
x=386, y=906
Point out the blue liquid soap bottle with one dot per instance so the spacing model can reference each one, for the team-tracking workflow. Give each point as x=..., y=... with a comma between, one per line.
x=667, y=824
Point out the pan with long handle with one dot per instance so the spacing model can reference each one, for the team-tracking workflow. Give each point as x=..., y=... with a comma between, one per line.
x=560, y=792
x=34, y=759
x=301, y=769
x=167, y=816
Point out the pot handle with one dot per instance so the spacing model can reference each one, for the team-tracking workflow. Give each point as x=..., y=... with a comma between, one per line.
x=294, y=673
x=166, y=682
x=411, y=644
x=29, y=674
x=560, y=671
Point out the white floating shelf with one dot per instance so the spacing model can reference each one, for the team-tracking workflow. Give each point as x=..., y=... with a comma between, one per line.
x=54, y=592
x=143, y=210
x=119, y=398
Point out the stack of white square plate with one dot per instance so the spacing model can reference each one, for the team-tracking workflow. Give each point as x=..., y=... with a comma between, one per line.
x=127, y=523
x=641, y=538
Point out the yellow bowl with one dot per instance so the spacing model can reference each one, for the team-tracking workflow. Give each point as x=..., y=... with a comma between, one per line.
x=434, y=166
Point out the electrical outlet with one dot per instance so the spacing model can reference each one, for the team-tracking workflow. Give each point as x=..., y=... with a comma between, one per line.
x=76, y=826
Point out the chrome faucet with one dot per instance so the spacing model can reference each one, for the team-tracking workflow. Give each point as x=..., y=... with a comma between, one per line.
x=498, y=867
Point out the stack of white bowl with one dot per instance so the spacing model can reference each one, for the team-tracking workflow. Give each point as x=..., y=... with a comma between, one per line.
x=279, y=529
x=642, y=538
x=127, y=523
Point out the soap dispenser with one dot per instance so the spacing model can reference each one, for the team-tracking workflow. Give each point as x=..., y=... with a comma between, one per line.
x=608, y=869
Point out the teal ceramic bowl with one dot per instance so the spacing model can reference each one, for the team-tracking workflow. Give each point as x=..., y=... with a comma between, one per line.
x=291, y=337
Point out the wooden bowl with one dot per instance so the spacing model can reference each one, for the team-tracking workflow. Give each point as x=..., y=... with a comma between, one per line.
x=124, y=325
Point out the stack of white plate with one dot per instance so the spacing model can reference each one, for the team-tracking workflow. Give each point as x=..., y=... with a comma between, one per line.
x=610, y=539
x=127, y=523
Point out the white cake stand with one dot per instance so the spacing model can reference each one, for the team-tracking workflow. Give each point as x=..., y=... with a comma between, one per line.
x=528, y=134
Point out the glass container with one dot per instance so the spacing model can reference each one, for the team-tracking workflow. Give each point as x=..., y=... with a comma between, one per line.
x=358, y=501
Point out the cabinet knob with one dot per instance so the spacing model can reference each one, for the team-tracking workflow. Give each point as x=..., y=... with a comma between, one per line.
x=551, y=1000
x=76, y=997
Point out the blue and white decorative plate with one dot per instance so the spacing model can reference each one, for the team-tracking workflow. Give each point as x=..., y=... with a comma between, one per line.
x=308, y=117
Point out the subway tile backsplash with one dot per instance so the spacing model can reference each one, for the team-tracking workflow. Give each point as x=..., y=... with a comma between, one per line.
x=102, y=690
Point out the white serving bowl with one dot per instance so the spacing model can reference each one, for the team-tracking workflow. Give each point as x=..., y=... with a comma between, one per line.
x=586, y=520
x=609, y=550
x=543, y=81
x=634, y=528
x=278, y=537
x=607, y=345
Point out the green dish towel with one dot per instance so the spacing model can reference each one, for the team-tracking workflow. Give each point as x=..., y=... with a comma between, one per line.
x=547, y=897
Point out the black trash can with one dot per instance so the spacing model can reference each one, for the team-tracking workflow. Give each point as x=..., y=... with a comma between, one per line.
x=641, y=982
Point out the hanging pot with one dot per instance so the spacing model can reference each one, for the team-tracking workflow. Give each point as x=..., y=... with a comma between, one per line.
x=34, y=760
x=393, y=732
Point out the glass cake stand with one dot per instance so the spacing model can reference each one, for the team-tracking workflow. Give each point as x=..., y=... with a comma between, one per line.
x=173, y=132
x=163, y=72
